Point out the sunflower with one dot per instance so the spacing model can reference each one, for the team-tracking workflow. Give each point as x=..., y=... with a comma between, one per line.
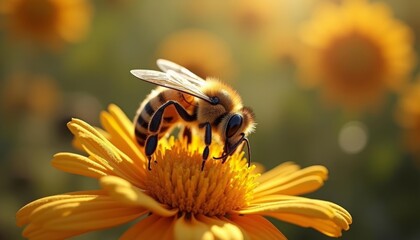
x=175, y=200
x=408, y=117
x=355, y=51
x=200, y=51
x=48, y=21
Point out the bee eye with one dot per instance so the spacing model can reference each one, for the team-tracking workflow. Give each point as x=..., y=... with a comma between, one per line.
x=233, y=125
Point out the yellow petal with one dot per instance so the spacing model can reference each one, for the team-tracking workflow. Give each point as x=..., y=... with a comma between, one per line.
x=39, y=233
x=289, y=179
x=97, y=145
x=298, y=186
x=191, y=229
x=121, y=134
x=257, y=227
x=122, y=120
x=77, y=125
x=153, y=227
x=324, y=216
x=122, y=139
x=75, y=213
x=22, y=216
x=222, y=229
x=324, y=226
x=203, y=227
x=81, y=165
x=100, y=149
x=283, y=169
x=291, y=206
x=126, y=193
x=84, y=213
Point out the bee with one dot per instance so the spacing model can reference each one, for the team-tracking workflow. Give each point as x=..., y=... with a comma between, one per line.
x=182, y=97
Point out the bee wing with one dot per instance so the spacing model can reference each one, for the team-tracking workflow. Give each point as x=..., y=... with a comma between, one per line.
x=166, y=66
x=173, y=80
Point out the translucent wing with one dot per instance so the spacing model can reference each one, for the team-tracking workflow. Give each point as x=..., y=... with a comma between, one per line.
x=174, y=78
x=166, y=65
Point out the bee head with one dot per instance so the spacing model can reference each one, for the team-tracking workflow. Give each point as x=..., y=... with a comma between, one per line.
x=237, y=127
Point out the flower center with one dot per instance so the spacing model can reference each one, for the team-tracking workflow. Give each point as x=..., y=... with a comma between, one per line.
x=353, y=59
x=177, y=180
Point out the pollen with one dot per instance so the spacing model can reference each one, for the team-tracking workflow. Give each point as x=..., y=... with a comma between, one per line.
x=176, y=180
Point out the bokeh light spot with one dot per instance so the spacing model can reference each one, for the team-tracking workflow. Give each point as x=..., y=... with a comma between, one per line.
x=353, y=137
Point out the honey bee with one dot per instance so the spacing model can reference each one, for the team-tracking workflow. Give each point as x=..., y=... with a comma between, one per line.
x=209, y=106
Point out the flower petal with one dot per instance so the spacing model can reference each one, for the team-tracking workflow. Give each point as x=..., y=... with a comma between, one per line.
x=22, y=216
x=39, y=233
x=121, y=132
x=77, y=125
x=203, y=227
x=74, y=213
x=152, y=227
x=125, y=192
x=119, y=116
x=81, y=165
x=324, y=216
x=257, y=227
x=102, y=150
x=191, y=229
x=92, y=214
x=324, y=226
x=222, y=229
x=289, y=179
x=279, y=171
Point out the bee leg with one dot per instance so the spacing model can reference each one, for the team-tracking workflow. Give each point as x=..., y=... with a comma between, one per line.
x=154, y=126
x=150, y=148
x=207, y=141
x=156, y=120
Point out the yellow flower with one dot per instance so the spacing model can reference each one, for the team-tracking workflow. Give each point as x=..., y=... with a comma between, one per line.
x=408, y=116
x=199, y=51
x=48, y=21
x=37, y=95
x=267, y=23
x=175, y=200
x=355, y=51
x=255, y=17
x=204, y=10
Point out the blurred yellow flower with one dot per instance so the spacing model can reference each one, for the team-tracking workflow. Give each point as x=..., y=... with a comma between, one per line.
x=201, y=10
x=175, y=200
x=266, y=23
x=356, y=51
x=255, y=17
x=37, y=95
x=408, y=116
x=48, y=21
x=269, y=24
x=200, y=51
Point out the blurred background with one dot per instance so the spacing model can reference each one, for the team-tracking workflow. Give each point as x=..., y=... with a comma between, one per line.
x=331, y=82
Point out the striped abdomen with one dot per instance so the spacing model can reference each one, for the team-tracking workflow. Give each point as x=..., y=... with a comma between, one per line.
x=152, y=103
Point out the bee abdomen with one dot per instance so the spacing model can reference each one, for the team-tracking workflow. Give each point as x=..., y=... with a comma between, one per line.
x=144, y=117
x=140, y=136
x=141, y=129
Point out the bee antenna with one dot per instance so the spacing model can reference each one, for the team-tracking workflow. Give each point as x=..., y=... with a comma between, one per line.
x=249, y=150
x=225, y=154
